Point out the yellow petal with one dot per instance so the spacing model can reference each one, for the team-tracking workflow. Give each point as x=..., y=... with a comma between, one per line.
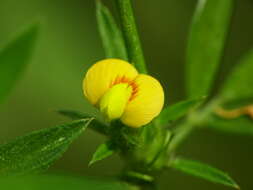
x=103, y=75
x=114, y=101
x=146, y=104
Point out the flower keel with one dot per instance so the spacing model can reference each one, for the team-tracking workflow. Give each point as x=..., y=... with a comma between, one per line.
x=113, y=103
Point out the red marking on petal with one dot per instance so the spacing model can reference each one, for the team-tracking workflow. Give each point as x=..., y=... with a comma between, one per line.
x=124, y=79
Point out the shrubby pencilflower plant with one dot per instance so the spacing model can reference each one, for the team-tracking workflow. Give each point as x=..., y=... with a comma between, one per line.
x=120, y=92
x=124, y=92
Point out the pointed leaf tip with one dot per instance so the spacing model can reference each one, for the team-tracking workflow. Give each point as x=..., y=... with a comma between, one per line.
x=96, y=125
x=36, y=151
x=203, y=171
x=103, y=151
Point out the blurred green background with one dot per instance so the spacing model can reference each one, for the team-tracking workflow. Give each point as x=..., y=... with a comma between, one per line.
x=69, y=43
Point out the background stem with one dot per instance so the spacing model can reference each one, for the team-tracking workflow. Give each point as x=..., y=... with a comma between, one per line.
x=130, y=34
x=194, y=120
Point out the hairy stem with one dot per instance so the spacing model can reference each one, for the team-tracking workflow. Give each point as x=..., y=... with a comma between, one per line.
x=130, y=33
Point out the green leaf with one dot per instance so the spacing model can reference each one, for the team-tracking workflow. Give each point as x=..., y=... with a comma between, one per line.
x=242, y=125
x=103, y=151
x=238, y=86
x=54, y=182
x=203, y=171
x=36, y=151
x=206, y=43
x=112, y=38
x=130, y=33
x=72, y=114
x=14, y=58
x=95, y=125
x=176, y=111
x=133, y=176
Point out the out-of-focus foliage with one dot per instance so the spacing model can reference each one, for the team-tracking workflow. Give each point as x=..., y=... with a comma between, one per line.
x=176, y=111
x=239, y=84
x=203, y=171
x=241, y=126
x=54, y=182
x=114, y=45
x=14, y=58
x=206, y=43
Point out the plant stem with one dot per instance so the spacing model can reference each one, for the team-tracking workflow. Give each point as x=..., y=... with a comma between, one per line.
x=142, y=188
x=193, y=121
x=130, y=33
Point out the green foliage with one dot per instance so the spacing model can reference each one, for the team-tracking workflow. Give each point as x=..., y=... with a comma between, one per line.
x=176, y=111
x=206, y=43
x=132, y=175
x=130, y=33
x=146, y=149
x=242, y=125
x=95, y=125
x=103, y=151
x=72, y=114
x=112, y=38
x=14, y=58
x=54, y=182
x=36, y=151
x=238, y=86
x=203, y=171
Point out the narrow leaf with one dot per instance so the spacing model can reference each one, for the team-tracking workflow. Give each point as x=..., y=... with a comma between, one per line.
x=62, y=182
x=242, y=125
x=36, y=151
x=96, y=125
x=136, y=176
x=238, y=86
x=111, y=35
x=131, y=36
x=72, y=114
x=206, y=43
x=203, y=171
x=103, y=151
x=176, y=111
x=14, y=58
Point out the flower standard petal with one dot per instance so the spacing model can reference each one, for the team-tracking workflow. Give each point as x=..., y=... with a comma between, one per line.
x=103, y=75
x=146, y=103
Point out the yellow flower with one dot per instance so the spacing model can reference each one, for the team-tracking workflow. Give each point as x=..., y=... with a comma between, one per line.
x=120, y=92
